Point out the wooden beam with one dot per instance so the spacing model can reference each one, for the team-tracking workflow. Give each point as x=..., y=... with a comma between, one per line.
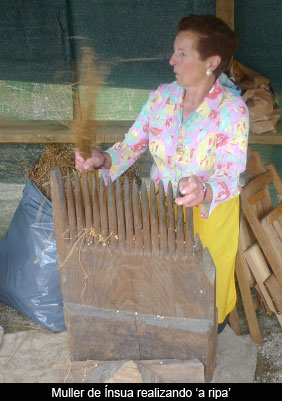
x=225, y=11
x=51, y=131
x=267, y=138
x=109, y=131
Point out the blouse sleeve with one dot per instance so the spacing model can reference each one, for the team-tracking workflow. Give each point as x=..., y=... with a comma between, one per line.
x=136, y=141
x=231, y=155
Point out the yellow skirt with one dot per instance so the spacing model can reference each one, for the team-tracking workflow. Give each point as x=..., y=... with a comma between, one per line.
x=220, y=234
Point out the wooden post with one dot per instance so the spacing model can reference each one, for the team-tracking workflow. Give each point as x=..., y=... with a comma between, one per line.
x=241, y=268
x=225, y=11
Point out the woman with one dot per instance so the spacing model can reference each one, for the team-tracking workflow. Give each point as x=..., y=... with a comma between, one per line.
x=197, y=132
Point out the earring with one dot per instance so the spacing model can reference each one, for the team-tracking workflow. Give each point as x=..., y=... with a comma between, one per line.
x=208, y=72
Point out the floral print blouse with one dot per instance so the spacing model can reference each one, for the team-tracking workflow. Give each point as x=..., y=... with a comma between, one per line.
x=211, y=143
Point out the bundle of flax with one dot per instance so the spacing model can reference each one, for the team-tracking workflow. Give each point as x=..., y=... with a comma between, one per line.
x=54, y=156
x=83, y=127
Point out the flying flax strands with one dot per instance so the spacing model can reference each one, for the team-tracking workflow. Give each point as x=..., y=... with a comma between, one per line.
x=91, y=79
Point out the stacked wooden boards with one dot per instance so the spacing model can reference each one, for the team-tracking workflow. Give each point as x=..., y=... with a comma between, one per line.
x=259, y=258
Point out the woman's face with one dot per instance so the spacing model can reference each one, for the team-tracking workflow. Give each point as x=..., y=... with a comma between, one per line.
x=189, y=69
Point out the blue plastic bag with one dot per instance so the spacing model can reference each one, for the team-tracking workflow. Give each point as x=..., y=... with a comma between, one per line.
x=230, y=84
x=29, y=276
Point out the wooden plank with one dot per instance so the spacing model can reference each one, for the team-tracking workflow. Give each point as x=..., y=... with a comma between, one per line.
x=277, y=225
x=261, y=203
x=162, y=221
x=262, y=237
x=79, y=205
x=128, y=217
x=257, y=197
x=277, y=180
x=225, y=11
x=111, y=335
x=120, y=214
x=245, y=242
x=154, y=222
x=272, y=227
x=254, y=165
x=234, y=321
x=96, y=208
x=189, y=232
x=260, y=270
x=170, y=221
x=257, y=263
x=137, y=218
x=61, y=222
x=270, y=139
x=129, y=371
x=112, y=214
x=87, y=203
x=54, y=131
x=275, y=291
x=180, y=245
x=267, y=138
x=242, y=277
x=262, y=300
x=257, y=184
x=146, y=220
x=108, y=131
x=71, y=210
x=103, y=212
x=274, y=215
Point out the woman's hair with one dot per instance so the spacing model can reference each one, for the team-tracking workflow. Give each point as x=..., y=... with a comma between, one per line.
x=215, y=38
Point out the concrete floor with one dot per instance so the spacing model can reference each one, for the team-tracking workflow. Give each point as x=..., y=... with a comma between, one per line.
x=28, y=356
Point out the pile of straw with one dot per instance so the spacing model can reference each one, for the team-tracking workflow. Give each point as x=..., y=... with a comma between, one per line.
x=62, y=156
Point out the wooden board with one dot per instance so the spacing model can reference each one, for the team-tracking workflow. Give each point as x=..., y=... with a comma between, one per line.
x=272, y=224
x=257, y=263
x=275, y=292
x=245, y=277
x=158, y=371
x=110, y=335
x=38, y=131
x=245, y=242
x=248, y=302
x=225, y=11
x=267, y=138
x=262, y=274
x=256, y=206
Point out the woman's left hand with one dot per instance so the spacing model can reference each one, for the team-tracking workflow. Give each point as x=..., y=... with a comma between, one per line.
x=192, y=191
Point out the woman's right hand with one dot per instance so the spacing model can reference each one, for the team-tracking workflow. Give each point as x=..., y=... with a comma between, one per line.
x=97, y=160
